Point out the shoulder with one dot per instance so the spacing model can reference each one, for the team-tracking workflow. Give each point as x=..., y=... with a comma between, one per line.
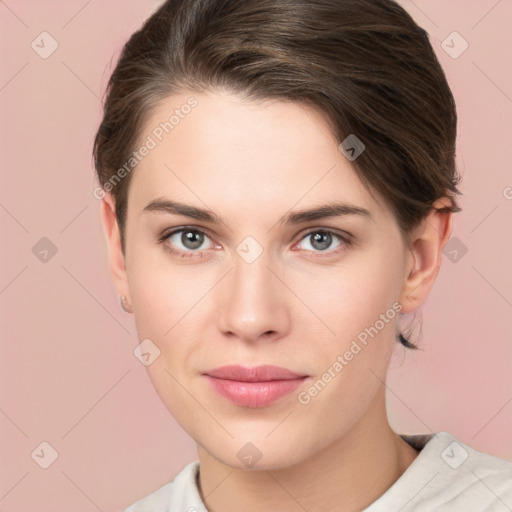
x=157, y=501
x=477, y=469
x=448, y=475
x=180, y=494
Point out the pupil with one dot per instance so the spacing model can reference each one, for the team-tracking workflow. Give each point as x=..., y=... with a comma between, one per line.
x=318, y=237
x=188, y=241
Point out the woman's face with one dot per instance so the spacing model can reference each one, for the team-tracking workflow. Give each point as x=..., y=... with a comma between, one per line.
x=257, y=284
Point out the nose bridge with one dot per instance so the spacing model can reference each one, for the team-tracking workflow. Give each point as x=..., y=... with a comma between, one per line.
x=254, y=302
x=250, y=277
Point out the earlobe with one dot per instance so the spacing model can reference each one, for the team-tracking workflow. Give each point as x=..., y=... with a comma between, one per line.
x=125, y=306
x=116, y=256
x=424, y=256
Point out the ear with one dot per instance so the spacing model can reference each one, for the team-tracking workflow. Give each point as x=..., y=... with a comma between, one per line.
x=116, y=256
x=424, y=256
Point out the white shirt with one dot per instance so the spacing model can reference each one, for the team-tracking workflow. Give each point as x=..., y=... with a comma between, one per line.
x=446, y=476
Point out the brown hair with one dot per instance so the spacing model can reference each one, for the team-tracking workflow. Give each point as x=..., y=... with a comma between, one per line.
x=365, y=65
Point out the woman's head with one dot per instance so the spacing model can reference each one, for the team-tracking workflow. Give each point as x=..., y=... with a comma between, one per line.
x=241, y=116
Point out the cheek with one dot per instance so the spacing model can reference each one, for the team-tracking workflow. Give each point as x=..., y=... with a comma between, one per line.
x=351, y=364
x=169, y=304
x=161, y=311
x=163, y=292
x=358, y=307
x=352, y=296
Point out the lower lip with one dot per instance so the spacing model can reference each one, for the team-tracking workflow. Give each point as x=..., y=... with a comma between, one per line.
x=254, y=394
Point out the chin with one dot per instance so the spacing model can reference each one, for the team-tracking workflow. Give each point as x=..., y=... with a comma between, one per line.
x=264, y=455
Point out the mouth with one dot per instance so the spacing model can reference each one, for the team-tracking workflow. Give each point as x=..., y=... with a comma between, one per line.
x=253, y=387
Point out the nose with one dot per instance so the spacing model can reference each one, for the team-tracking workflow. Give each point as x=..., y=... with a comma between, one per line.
x=253, y=302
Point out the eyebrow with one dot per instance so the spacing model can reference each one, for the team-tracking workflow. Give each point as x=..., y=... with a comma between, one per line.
x=335, y=209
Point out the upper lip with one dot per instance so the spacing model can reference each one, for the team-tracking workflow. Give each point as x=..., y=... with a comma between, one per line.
x=260, y=373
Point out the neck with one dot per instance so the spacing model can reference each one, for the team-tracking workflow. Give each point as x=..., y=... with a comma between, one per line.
x=347, y=476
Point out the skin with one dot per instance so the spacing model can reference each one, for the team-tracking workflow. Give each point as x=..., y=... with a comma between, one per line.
x=295, y=306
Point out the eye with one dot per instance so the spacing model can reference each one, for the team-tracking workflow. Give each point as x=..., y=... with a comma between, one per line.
x=321, y=240
x=186, y=241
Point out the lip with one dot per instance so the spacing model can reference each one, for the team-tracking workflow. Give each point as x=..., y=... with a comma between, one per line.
x=253, y=387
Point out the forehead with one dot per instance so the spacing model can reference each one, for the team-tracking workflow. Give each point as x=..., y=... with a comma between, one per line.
x=242, y=156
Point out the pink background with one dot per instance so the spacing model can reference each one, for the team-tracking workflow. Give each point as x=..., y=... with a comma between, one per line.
x=68, y=373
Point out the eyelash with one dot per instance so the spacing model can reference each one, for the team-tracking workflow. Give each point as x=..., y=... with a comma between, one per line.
x=346, y=242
